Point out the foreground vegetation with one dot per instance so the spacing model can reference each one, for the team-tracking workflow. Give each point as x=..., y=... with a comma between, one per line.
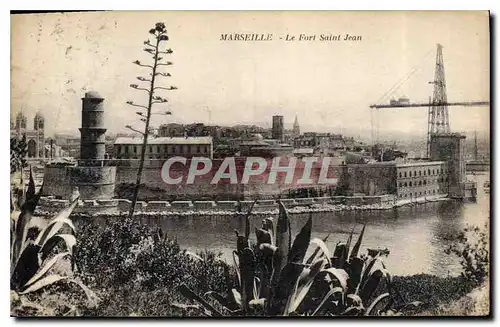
x=128, y=269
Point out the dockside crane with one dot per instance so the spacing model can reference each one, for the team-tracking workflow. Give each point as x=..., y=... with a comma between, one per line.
x=438, y=117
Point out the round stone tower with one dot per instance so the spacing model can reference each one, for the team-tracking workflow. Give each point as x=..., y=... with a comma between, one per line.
x=94, y=176
x=92, y=146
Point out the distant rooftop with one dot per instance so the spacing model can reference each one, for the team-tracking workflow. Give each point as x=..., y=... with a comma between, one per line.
x=165, y=140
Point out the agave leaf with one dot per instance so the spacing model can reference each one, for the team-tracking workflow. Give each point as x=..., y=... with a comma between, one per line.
x=57, y=223
x=26, y=266
x=353, y=300
x=301, y=243
x=356, y=266
x=338, y=259
x=367, y=269
x=41, y=283
x=247, y=272
x=370, y=285
x=349, y=240
x=247, y=221
x=236, y=297
x=357, y=246
x=237, y=267
x=257, y=304
x=302, y=287
x=353, y=311
x=30, y=193
x=281, y=285
x=372, y=309
x=189, y=294
x=20, y=234
x=32, y=197
x=282, y=238
x=338, y=274
x=241, y=242
x=263, y=236
x=325, y=298
x=45, y=268
x=22, y=195
x=321, y=246
x=68, y=239
x=256, y=287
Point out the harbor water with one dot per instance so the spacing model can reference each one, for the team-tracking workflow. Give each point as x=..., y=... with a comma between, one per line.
x=416, y=236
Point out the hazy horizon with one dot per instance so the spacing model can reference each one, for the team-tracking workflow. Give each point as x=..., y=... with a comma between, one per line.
x=328, y=85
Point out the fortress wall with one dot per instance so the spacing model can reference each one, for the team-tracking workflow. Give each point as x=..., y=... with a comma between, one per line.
x=117, y=206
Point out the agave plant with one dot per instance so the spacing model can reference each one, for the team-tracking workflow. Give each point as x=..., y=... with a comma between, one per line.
x=33, y=241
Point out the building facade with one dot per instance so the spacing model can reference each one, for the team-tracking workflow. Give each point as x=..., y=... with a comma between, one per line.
x=421, y=179
x=450, y=147
x=35, y=137
x=163, y=147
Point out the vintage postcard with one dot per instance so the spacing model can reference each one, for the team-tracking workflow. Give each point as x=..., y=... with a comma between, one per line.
x=244, y=164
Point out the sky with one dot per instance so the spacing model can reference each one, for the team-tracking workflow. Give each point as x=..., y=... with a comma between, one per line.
x=56, y=58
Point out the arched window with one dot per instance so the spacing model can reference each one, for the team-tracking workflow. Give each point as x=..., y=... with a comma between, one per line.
x=405, y=173
x=419, y=183
x=406, y=184
x=410, y=183
x=419, y=173
x=400, y=175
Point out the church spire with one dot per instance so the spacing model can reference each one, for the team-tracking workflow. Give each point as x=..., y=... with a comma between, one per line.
x=296, y=127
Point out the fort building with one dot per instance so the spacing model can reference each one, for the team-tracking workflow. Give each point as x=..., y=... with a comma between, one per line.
x=163, y=147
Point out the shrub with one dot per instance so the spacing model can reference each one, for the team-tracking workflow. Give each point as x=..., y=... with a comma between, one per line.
x=471, y=246
x=129, y=264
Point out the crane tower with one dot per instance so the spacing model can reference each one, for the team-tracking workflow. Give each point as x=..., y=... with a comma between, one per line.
x=439, y=121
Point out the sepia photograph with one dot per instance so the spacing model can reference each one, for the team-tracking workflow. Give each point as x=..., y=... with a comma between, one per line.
x=250, y=164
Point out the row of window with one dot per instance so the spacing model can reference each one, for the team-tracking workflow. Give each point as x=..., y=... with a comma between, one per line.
x=425, y=173
x=416, y=194
x=423, y=182
x=166, y=149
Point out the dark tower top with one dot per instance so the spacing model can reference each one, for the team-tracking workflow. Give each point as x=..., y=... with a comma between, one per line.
x=278, y=129
x=92, y=146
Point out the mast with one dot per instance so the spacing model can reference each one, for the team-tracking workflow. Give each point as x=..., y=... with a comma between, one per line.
x=475, y=145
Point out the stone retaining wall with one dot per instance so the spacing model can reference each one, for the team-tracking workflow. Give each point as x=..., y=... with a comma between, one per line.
x=50, y=204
